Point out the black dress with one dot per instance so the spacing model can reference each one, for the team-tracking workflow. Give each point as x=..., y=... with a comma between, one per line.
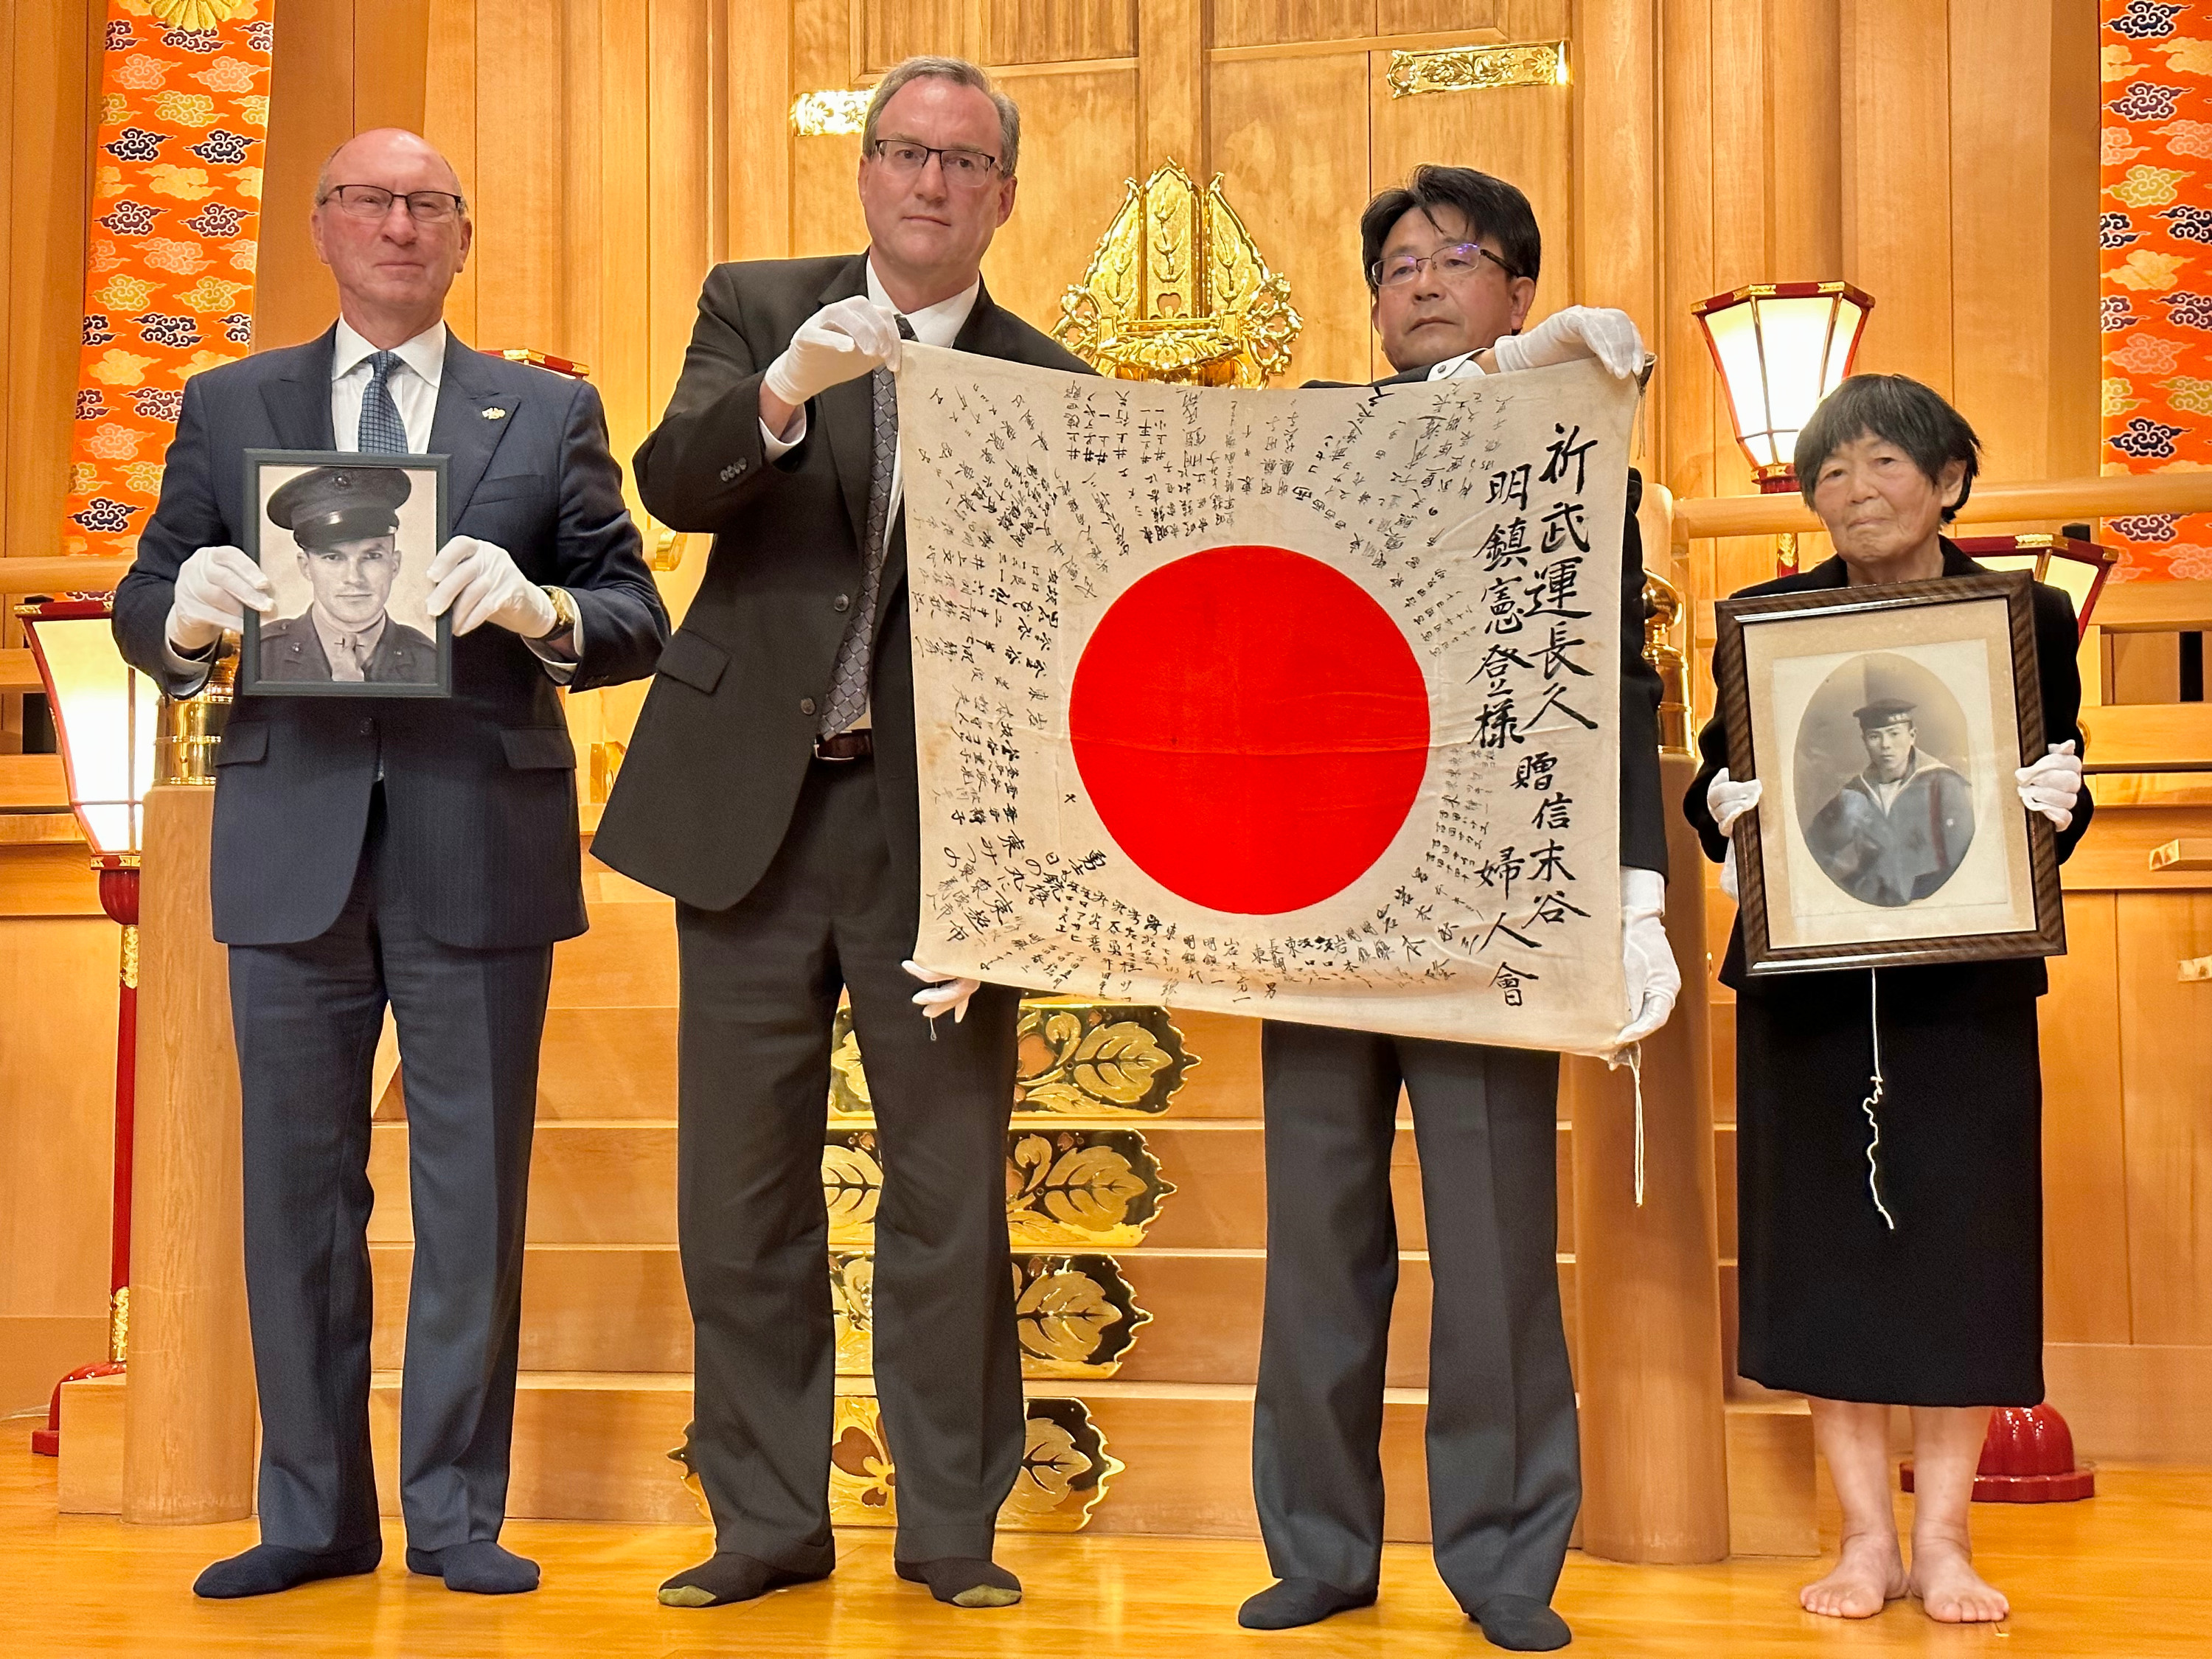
x=1946, y=1309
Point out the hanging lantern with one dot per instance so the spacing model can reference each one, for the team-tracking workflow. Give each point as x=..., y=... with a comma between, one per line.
x=1780, y=347
x=2073, y=564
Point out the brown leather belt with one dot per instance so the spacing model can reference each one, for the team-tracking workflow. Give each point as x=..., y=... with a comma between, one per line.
x=845, y=746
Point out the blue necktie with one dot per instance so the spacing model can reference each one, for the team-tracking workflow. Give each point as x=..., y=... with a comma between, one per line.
x=382, y=431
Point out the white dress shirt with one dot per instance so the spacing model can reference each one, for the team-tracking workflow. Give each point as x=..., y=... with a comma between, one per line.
x=413, y=383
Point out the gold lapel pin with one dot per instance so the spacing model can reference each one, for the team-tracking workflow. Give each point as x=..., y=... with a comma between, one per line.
x=495, y=414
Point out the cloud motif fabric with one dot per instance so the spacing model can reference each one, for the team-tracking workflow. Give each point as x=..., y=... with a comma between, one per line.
x=170, y=250
x=2154, y=233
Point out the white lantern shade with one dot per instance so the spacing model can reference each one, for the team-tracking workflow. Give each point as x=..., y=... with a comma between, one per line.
x=106, y=715
x=1781, y=348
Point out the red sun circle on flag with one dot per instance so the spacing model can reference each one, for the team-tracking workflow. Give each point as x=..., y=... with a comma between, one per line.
x=1252, y=727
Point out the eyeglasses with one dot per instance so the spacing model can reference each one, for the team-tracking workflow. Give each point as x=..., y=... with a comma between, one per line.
x=969, y=169
x=1457, y=263
x=424, y=207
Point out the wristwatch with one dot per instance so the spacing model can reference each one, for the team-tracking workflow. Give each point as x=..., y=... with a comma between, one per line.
x=564, y=612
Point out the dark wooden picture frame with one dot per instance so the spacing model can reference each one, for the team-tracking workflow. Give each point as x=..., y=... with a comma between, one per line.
x=252, y=682
x=2036, y=875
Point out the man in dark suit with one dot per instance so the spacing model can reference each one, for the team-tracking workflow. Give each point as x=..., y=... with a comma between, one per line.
x=771, y=787
x=1452, y=261
x=345, y=522
x=417, y=853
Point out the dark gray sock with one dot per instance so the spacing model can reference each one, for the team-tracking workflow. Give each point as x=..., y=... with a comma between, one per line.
x=726, y=1576
x=267, y=1568
x=1295, y=1601
x=1523, y=1624
x=964, y=1581
x=478, y=1566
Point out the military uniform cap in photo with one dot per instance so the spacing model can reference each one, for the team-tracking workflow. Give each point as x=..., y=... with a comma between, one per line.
x=333, y=504
x=1883, y=711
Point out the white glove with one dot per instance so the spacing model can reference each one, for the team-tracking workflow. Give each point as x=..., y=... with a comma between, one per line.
x=1728, y=800
x=942, y=993
x=844, y=340
x=1654, y=980
x=1595, y=332
x=479, y=582
x=2053, y=784
x=215, y=587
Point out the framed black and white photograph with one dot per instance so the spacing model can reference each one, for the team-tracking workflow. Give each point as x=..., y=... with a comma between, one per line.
x=347, y=541
x=1886, y=723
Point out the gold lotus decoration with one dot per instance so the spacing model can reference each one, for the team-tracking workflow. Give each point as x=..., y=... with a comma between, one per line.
x=1077, y=1059
x=1077, y=1316
x=1086, y=1188
x=197, y=14
x=1064, y=1472
x=1177, y=290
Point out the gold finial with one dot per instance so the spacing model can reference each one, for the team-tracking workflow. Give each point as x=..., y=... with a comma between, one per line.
x=1178, y=291
x=1662, y=604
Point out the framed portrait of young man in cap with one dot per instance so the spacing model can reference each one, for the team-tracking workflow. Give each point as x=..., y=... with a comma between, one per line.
x=1887, y=722
x=346, y=540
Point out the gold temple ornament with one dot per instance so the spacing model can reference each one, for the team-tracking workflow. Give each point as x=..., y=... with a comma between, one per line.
x=1478, y=69
x=830, y=112
x=1177, y=290
x=1075, y=1059
x=1068, y=1189
x=1065, y=1470
x=1076, y=1315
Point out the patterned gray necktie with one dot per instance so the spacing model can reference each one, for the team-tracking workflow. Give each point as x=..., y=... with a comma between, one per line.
x=849, y=685
x=382, y=431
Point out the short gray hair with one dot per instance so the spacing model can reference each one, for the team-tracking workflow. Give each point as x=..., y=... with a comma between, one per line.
x=965, y=74
x=1897, y=411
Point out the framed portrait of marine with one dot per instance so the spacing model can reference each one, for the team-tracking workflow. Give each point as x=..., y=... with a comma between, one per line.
x=346, y=540
x=1887, y=723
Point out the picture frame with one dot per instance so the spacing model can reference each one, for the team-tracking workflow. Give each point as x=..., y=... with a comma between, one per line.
x=350, y=620
x=1886, y=722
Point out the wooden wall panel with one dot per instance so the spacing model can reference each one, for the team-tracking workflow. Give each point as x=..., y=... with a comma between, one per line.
x=893, y=29
x=1078, y=146
x=1273, y=23
x=51, y=115
x=2166, y=1082
x=1897, y=182
x=449, y=121
x=1058, y=31
x=57, y=1130
x=524, y=254
x=2085, y=1217
x=1289, y=142
x=1524, y=134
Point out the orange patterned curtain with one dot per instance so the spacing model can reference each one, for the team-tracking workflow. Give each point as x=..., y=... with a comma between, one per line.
x=169, y=253
x=2156, y=293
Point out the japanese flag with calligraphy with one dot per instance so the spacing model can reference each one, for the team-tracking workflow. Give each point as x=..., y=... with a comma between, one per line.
x=1301, y=704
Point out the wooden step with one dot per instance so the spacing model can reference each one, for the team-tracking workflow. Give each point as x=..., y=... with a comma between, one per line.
x=599, y=1182
x=621, y=1308
x=594, y=1446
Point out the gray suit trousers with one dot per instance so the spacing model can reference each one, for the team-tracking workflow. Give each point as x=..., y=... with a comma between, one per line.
x=306, y=1018
x=1503, y=1462
x=760, y=987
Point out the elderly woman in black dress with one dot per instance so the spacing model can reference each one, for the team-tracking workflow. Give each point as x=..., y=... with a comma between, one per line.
x=1942, y=1311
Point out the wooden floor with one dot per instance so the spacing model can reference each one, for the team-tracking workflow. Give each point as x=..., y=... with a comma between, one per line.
x=2124, y=1574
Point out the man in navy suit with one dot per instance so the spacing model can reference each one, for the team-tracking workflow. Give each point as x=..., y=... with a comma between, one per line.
x=416, y=853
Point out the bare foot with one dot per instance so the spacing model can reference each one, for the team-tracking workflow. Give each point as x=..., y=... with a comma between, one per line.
x=1949, y=1588
x=1868, y=1575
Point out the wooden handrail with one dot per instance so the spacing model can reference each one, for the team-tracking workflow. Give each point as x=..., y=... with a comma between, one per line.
x=2053, y=499
x=82, y=575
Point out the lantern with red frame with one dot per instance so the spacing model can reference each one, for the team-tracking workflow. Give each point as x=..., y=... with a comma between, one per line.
x=106, y=720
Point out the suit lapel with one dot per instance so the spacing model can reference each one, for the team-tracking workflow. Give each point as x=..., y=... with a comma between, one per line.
x=466, y=429
x=299, y=400
x=847, y=412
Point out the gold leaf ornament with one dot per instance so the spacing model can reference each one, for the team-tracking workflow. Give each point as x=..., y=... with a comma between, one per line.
x=1092, y=1187
x=1061, y=1314
x=1118, y=1063
x=197, y=13
x=852, y=1185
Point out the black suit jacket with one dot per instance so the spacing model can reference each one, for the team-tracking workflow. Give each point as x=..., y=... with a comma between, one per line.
x=1963, y=985
x=292, y=650
x=480, y=788
x=727, y=731
x=1643, y=807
